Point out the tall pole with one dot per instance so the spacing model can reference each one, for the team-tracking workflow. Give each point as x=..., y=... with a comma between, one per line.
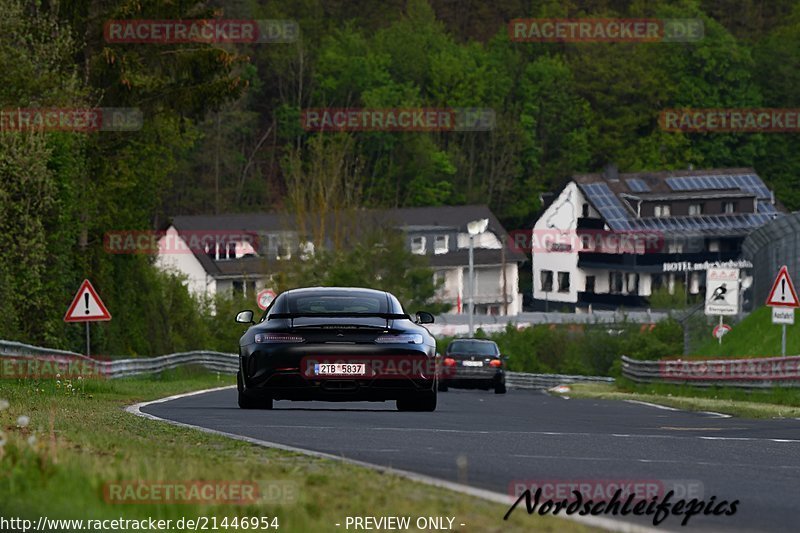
x=783, y=338
x=505, y=281
x=88, y=351
x=470, y=302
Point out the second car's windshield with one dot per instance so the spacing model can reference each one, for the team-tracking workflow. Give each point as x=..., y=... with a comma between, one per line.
x=477, y=348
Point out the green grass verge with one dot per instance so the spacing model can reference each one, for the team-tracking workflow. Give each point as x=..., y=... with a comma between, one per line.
x=85, y=439
x=756, y=335
x=776, y=403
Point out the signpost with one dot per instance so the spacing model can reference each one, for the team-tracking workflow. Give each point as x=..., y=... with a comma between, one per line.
x=783, y=300
x=265, y=298
x=722, y=295
x=87, y=307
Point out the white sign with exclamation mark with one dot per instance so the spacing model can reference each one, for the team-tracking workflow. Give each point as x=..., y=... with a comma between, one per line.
x=86, y=306
x=783, y=293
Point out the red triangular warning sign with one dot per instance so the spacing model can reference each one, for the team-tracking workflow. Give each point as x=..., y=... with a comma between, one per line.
x=783, y=293
x=87, y=306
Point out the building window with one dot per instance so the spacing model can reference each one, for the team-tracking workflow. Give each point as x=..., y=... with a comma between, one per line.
x=547, y=280
x=438, y=279
x=563, y=282
x=283, y=251
x=615, y=282
x=418, y=245
x=675, y=247
x=632, y=282
x=695, y=209
x=590, y=284
x=585, y=210
x=440, y=244
x=713, y=245
x=662, y=210
x=728, y=207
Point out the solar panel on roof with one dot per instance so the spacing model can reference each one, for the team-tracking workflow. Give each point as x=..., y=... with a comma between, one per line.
x=607, y=204
x=746, y=182
x=766, y=208
x=637, y=185
x=619, y=218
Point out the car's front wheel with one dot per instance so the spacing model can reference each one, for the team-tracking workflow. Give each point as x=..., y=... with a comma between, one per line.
x=246, y=402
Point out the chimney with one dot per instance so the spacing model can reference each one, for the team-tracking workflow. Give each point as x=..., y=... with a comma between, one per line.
x=611, y=172
x=546, y=198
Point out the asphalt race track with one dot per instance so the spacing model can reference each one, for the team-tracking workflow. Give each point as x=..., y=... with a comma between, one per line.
x=491, y=442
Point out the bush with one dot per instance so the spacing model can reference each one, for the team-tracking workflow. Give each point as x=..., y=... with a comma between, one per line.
x=590, y=349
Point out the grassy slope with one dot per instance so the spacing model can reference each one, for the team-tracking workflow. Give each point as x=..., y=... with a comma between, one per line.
x=755, y=335
x=94, y=441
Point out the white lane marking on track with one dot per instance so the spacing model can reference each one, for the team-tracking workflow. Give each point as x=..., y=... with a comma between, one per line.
x=668, y=408
x=718, y=415
x=648, y=404
x=664, y=461
x=608, y=524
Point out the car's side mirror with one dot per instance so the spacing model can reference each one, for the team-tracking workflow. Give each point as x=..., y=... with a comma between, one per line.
x=424, y=317
x=245, y=317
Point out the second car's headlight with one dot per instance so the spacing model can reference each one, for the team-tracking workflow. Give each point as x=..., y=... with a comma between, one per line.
x=278, y=337
x=409, y=338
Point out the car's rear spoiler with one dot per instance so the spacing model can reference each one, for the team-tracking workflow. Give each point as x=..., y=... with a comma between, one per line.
x=339, y=315
x=385, y=316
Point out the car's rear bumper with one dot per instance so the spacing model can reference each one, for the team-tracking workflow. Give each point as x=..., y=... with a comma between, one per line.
x=288, y=373
x=473, y=377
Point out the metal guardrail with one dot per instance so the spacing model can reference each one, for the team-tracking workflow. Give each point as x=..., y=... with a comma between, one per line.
x=754, y=373
x=227, y=363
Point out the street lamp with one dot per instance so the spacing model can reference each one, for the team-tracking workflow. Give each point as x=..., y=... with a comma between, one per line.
x=476, y=227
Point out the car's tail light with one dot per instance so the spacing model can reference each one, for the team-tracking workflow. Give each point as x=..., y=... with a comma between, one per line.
x=409, y=338
x=497, y=363
x=449, y=361
x=278, y=337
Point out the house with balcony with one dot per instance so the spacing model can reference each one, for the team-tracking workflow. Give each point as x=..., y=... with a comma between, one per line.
x=235, y=253
x=609, y=240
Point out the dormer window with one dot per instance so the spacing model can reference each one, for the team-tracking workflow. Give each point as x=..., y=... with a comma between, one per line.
x=728, y=207
x=440, y=244
x=695, y=209
x=418, y=245
x=662, y=210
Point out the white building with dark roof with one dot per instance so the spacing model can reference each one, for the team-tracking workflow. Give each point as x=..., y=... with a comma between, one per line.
x=237, y=256
x=609, y=240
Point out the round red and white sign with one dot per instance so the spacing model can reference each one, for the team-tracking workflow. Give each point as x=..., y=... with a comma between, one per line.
x=265, y=298
x=720, y=330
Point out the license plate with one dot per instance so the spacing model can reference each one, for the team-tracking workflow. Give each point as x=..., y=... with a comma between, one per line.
x=340, y=369
x=473, y=363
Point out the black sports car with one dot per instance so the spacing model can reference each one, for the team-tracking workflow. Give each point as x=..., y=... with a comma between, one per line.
x=337, y=344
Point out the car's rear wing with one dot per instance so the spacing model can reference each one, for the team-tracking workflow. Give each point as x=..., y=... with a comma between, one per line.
x=387, y=316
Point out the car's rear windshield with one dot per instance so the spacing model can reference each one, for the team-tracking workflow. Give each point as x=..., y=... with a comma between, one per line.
x=472, y=347
x=338, y=303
